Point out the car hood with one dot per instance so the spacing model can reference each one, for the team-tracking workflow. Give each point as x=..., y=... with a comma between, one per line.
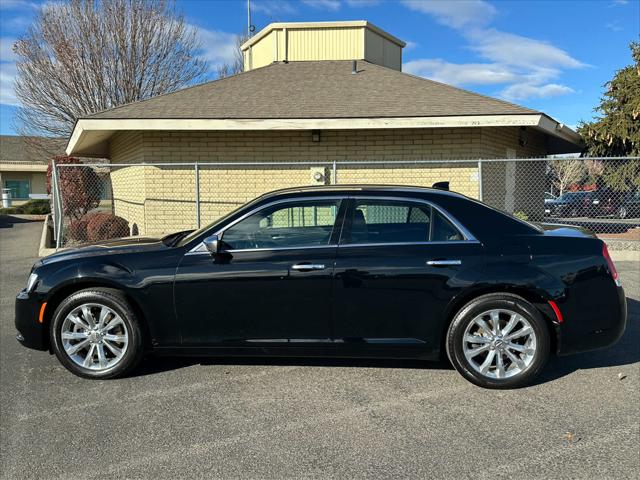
x=115, y=246
x=561, y=230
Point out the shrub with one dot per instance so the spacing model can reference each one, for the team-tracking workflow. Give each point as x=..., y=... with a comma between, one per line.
x=32, y=207
x=102, y=226
x=79, y=186
x=77, y=229
x=521, y=215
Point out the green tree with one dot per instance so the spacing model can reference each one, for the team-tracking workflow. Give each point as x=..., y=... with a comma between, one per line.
x=616, y=129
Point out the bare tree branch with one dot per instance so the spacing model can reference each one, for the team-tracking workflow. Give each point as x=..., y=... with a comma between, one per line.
x=237, y=66
x=85, y=56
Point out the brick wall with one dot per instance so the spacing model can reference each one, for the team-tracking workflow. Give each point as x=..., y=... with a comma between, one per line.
x=161, y=200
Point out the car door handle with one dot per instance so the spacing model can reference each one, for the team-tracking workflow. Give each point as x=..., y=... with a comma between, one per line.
x=443, y=263
x=304, y=267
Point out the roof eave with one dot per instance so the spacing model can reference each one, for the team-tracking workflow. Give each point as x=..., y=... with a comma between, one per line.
x=90, y=135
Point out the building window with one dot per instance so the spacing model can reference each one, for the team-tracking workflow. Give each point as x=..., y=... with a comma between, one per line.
x=19, y=188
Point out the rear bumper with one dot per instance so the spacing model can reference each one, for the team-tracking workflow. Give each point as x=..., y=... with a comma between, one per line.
x=31, y=334
x=576, y=335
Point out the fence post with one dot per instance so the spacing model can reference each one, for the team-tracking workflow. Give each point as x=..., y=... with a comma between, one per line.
x=197, y=174
x=335, y=172
x=480, y=192
x=57, y=205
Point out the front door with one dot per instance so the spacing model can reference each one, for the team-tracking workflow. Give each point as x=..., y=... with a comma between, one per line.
x=271, y=283
x=399, y=264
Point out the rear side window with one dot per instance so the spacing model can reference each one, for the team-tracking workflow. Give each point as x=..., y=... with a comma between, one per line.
x=397, y=221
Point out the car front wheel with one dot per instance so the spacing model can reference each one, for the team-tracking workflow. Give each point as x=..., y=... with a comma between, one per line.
x=623, y=212
x=498, y=341
x=95, y=334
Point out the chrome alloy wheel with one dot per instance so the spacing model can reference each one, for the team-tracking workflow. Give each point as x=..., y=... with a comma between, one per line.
x=499, y=343
x=94, y=336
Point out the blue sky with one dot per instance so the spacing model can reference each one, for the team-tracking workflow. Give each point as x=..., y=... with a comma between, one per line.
x=550, y=55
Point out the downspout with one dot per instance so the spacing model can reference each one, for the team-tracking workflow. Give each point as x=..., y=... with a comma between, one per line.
x=286, y=45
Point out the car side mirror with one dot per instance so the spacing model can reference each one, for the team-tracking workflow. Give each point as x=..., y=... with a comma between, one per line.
x=212, y=243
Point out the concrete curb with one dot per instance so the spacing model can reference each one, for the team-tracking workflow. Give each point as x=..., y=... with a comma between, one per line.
x=45, y=239
x=28, y=217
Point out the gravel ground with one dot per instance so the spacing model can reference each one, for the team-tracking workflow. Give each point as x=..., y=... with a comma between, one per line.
x=311, y=419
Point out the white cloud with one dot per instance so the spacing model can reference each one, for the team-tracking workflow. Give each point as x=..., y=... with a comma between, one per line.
x=526, y=66
x=455, y=13
x=460, y=73
x=613, y=26
x=512, y=49
x=410, y=45
x=18, y=5
x=619, y=2
x=274, y=7
x=363, y=3
x=217, y=47
x=332, y=5
x=524, y=91
x=7, y=76
x=6, y=49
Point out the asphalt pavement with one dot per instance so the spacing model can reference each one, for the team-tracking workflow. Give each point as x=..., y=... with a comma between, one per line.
x=199, y=418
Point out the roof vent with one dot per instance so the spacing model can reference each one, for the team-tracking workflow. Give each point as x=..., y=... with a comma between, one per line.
x=354, y=67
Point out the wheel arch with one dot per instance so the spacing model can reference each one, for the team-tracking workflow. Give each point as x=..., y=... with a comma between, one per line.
x=535, y=298
x=65, y=290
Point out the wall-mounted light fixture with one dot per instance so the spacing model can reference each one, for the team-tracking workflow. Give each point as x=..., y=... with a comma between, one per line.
x=315, y=135
x=522, y=139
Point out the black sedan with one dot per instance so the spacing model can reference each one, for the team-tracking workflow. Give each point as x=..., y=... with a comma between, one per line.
x=370, y=271
x=572, y=204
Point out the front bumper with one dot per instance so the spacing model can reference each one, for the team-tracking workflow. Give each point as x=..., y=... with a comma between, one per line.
x=31, y=333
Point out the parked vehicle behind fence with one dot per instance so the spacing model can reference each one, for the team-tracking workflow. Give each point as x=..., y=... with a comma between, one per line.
x=630, y=205
x=349, y=271
x=571, y=204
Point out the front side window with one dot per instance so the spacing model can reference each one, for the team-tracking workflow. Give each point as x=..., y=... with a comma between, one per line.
x=396, y=221
x=295, y=224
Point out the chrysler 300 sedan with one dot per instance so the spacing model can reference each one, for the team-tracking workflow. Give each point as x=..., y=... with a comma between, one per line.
x=362, y=271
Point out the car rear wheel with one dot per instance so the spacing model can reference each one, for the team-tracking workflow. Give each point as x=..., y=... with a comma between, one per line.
x=95, y=334
x=498, y=341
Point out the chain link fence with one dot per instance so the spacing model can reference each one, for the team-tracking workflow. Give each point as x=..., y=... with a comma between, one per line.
x=93, y=202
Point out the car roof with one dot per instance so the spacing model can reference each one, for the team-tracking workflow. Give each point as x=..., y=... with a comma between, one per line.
x=344, y=189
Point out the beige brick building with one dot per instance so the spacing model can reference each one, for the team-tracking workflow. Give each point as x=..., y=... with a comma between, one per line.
x=23, y=165
x=295, y=111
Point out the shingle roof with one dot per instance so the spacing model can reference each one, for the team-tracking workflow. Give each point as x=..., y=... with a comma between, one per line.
x=316, y=89
x=14, y=148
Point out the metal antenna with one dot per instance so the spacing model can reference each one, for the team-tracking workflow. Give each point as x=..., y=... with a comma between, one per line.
x=249, y=29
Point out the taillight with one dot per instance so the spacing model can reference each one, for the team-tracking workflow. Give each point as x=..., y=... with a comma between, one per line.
x=612, y=267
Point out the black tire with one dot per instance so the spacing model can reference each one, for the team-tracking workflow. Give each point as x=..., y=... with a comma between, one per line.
x=454, y=339
x=574, y=212
x=622, y=213
x=114, y=300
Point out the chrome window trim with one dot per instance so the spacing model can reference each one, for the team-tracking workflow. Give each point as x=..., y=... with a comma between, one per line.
x=468, y=236
x=200, y=249
x=404, y=244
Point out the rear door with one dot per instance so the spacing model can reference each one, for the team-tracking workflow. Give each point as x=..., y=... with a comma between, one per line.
x=399, y=264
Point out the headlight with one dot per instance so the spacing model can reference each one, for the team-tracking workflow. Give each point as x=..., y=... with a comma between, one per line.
x=31, y=282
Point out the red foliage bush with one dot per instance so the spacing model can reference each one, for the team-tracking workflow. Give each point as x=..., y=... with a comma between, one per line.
x=102, y=226
x=77, y=229
x=79, y=186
